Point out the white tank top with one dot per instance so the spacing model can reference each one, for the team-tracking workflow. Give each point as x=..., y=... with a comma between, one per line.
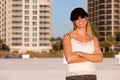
x=82, y=68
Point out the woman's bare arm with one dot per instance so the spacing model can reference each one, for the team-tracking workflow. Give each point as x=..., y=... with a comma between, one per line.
x=97, y=56
x=70, y=56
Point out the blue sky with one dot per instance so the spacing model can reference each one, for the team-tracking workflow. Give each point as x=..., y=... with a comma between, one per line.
x=61, y=13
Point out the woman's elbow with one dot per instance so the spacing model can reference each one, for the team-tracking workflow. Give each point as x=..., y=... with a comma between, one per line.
x=69, y=60
x=100, y=58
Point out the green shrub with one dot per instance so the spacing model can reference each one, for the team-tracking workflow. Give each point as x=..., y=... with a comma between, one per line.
x=108, y=54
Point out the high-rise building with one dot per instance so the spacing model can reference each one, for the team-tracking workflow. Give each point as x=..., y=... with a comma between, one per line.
x=105, y=14
x=25, y=25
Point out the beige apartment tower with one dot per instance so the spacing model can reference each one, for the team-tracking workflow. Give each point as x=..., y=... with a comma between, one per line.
x=25, y=25
x=105, y=14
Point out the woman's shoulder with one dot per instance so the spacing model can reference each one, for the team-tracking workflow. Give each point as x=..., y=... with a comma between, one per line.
x=95, y=38
x=67, y=35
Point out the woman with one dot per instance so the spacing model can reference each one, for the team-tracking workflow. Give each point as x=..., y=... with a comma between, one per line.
x=81, y=48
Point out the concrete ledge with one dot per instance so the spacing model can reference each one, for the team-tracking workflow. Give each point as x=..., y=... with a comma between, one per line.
x=51, y=69
x=108, y=74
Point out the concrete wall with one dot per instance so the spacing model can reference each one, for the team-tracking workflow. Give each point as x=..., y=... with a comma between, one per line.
x=51, y=69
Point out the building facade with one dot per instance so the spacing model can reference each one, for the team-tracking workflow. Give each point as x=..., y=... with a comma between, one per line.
x=26, y=25
x=105, y=14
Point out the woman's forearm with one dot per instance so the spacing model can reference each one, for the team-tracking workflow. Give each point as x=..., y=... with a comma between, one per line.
x=74, y=57
x=92, y=57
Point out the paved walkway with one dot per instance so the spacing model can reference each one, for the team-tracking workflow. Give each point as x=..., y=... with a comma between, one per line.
x=51, y=69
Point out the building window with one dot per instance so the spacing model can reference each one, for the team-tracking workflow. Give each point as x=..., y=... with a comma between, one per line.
x=44, y=17
x=108, y=0
x=34, y=6
x=109, y=23
x=26, y=23
x=34, y=34
x=109, y=28
x=102, y=34
x=109, y=12
x=116, y=28
x=34, y=45
x=16, y=44
x=44, y=22
x=34, y=12
x=44, y=33
x=109, y=6
x=16, y=5
x=34, y=28
x=116, y=17
x=26, y=44
x=44, y=6
x=34, y=1
x=26, y=12
x=116, y=5
x=26, y=17
x=116, y=11
x=44, y=39
x=26, y=6
x=101, y=1
x=116, y=1
x=44, y=44
x=109, y=17
x=101, y=17
x=34, y=39
x=26, y=1
x=26, y=39
x=14, y=22
x=26, y=34
x=116, y=22
x=108, y=33
x=44, y=28
x=101, y=28
x=101, y=6
x=26, y=28
x=16, y=11
x=44, y=11
x=101, y=12
x=34, y=17
x=34, y=23
x=101, y=23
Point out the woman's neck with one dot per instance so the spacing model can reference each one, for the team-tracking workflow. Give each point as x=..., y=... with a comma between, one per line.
x=81, y=31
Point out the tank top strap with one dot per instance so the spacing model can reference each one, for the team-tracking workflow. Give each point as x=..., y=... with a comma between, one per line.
x=69, y=35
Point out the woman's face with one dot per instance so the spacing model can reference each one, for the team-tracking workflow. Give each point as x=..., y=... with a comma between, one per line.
x=80, y=22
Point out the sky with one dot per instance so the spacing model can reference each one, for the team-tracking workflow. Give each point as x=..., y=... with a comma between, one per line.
x=61, y=15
